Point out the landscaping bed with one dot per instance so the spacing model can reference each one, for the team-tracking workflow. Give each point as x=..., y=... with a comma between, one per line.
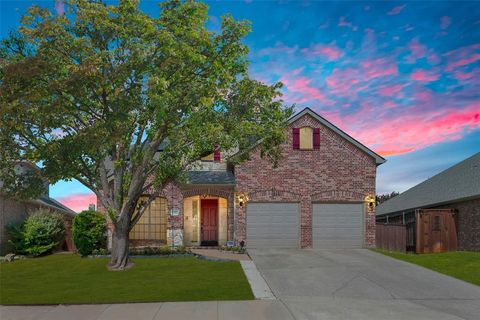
x=463, y=265
x=70, y=279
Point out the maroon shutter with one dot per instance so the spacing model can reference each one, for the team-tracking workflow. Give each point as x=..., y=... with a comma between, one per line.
x=296, y=138
x=316, y=138
x=216, y=154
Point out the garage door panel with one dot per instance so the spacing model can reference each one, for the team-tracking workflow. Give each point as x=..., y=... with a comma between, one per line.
x=272, y=219
x=337, y=226
x=272, y=225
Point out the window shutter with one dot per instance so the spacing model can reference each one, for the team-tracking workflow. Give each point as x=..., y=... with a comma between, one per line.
x=296, y=138
x=316, y=138
x=216, y=154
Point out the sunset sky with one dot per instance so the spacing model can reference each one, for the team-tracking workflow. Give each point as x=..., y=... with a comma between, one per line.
x=401, y=77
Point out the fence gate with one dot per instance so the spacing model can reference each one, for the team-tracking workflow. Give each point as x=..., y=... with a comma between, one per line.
x=436, y=231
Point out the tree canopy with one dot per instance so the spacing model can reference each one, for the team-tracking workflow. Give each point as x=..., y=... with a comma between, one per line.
x=107, y=84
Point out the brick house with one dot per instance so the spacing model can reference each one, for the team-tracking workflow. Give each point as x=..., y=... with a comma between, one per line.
x=16, y=210
x=315, y=197
x=455, y=189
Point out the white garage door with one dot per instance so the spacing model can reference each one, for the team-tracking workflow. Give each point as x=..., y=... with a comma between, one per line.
x=272, y=225
x=337, y=226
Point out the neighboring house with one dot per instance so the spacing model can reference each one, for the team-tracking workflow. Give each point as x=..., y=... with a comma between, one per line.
x=13, y=211
x=316, y=197
x=456, y=188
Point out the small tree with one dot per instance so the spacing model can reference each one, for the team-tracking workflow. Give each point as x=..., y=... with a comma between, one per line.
x=105, y=84
x=89, y=228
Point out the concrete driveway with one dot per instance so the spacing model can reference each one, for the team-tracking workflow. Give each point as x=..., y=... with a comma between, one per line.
x=360, y=284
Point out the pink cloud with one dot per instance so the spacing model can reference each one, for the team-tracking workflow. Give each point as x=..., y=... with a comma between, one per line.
x=378, y=68
x=464, y=62
x=462, y=56
x=425, y=95
x=389, y=91
x=445, y=22
x=301, y=87
x=424, y=76
x=396, y=10
x=417, y=49
x=416, y=131
x=331, y=52
x=461, y=76
x=78, y=202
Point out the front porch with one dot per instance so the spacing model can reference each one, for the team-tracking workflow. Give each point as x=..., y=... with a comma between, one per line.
x=190, y=215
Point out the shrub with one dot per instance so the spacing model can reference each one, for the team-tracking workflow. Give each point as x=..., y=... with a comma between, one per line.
x=43, y=231
x=89, y=230
x=15, y=233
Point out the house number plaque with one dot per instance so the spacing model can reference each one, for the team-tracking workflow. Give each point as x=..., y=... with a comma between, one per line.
x=174, y=212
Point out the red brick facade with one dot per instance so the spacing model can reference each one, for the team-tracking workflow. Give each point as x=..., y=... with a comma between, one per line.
x=337, y=172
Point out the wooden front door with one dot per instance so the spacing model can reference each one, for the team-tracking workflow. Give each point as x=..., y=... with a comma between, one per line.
x=209, y=222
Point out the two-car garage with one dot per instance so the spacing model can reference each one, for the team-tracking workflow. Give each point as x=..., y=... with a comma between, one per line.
x=277, y=225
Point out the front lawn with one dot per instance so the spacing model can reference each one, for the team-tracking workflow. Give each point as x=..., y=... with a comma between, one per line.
x=462, y=265
x=67, y=279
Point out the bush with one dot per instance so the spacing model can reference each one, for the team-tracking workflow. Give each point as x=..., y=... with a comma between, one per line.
x=89, y=230
x=15, y=233
x=42, y=232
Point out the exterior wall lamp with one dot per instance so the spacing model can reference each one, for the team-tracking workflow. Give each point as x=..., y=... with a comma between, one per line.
x=242, y=199
x=370, y=201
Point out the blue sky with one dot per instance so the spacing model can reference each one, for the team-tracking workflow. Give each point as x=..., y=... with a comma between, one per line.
x=401, y=77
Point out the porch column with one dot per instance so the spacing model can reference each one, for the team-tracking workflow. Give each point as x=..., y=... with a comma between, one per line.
x=174, y=197
x=230, y=217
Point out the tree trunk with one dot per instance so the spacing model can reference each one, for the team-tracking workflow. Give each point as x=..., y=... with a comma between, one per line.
x=120, y=255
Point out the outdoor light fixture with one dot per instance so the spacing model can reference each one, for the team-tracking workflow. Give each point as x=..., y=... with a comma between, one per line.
x=242, y=199
x=370, y=200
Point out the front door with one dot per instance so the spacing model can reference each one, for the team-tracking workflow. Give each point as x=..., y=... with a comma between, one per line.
x=209, y=222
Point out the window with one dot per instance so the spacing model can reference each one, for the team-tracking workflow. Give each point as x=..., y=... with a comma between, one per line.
x=306, y=138
x=153, y=223
x=215, y=156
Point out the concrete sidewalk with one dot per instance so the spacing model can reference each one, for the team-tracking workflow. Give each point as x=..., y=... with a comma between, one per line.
x=209, y=310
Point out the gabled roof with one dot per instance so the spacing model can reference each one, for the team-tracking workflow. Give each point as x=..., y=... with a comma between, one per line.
x=457, y=183
x=54, y=204
x=378, y=159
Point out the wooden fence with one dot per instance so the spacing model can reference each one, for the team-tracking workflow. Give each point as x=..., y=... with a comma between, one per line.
x=392, y=237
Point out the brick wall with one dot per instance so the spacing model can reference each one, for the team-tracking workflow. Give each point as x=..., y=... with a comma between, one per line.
x=468, y=223
x=338, y=171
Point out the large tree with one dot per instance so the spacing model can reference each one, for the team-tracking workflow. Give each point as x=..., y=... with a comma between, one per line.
x=95, y=93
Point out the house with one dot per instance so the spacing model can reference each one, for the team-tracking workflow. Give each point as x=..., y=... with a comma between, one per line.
x=15, y=210
x=315, y=197
x=446, y=205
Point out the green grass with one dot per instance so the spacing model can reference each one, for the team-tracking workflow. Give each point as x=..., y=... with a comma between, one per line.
x=70, y=279
x=462, y=265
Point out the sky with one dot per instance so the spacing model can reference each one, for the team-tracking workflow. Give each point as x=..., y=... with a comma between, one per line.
x=403, y=78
